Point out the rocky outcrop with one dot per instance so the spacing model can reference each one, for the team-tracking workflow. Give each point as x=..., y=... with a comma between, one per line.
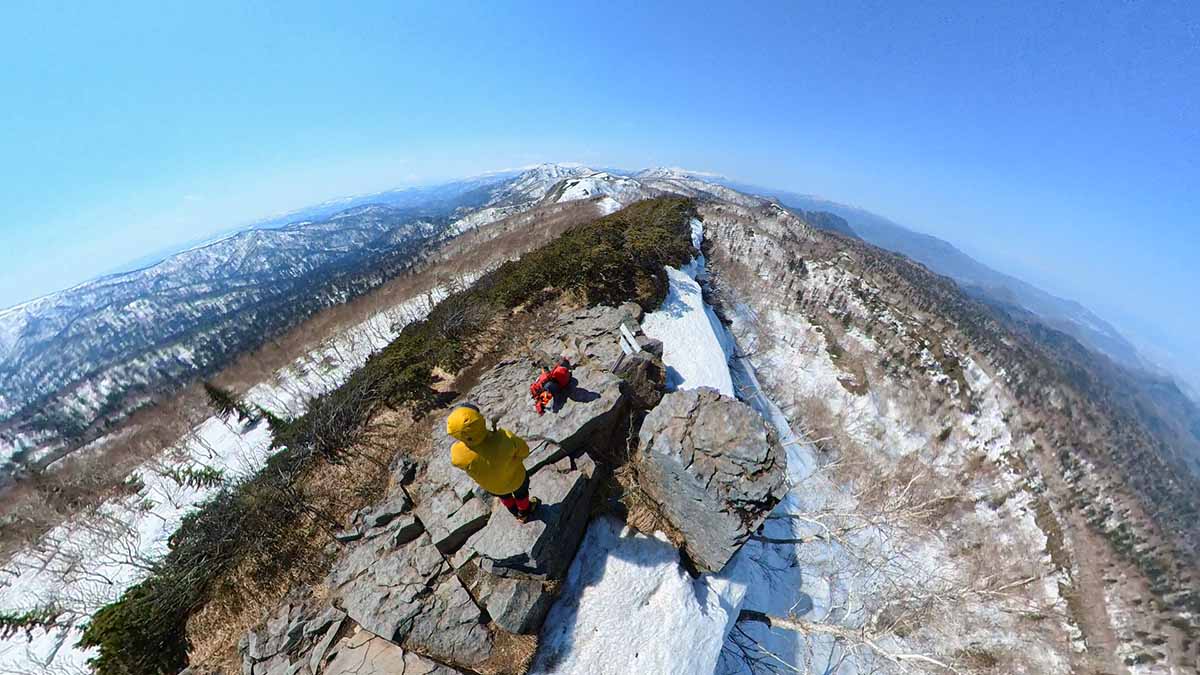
x=543, y=547
x=645, y=378
x=303, y=639
x=397, y=585
x=585, y=413
x=590, y=335
x=422, y=573
x=713, y=468
x=516, y=605
x=362, y=653
x=449, y=504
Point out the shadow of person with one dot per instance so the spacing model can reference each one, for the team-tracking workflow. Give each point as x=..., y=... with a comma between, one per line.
x=579, y=394
x=573, y=393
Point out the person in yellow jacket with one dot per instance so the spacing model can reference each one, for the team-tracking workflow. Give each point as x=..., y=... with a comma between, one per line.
x=492, y=458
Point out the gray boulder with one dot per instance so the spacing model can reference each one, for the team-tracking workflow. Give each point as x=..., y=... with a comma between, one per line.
x=383, y=513
x=645, y=378
x=714, y=469
x=316, y=655
x=365, y=654
x=293, y=641
x=453, y=520
x=323, y=620
x=651, y=345
x=277, y=635
x=518, y=605
x=515, y=605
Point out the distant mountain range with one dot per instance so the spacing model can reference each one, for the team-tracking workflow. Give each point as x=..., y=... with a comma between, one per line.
x=976, y=278
x=74, y=362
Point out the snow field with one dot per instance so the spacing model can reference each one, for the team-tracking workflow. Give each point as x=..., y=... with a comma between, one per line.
x=800, y=367
x=89, y=561
x=696, y=348
x=628, y=606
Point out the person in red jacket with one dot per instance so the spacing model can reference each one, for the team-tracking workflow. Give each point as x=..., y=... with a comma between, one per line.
x=550, y=386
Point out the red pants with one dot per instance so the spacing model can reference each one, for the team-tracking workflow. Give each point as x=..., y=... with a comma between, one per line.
x=517, y=502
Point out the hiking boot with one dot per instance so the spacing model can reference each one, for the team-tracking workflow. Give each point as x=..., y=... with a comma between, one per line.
x=523, y=517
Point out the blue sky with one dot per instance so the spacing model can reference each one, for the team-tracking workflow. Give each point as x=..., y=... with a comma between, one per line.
x=1057, y=142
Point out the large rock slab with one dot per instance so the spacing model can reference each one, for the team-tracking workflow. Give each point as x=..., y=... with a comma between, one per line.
x=363, y=653
x=543, y=547
x=403, y=590
x=449, y=504
x=589, y=336
x=590, y=339
x=516, y=605
x=714, y=469
x=447, y=501
x=585, y=415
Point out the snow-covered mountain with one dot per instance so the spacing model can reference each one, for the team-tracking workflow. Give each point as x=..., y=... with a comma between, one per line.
x=84, y=355
x=74, y=362
x=1028, y=507
x=979, y=279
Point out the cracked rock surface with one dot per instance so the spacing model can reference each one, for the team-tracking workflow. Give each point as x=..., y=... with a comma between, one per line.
x=406, y=592
x=448, y=503
x=304, y=639
x=365, y=654
x=543, y=547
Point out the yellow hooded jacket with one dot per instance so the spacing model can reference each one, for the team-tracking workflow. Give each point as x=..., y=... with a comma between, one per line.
x=491, y=458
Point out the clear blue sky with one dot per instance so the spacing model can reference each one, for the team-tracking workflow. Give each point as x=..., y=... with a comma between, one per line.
x=1056, y=142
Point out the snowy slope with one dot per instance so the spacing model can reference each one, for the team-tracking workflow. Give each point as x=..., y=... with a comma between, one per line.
x=696, y=349
x=89, y=561
x=628, y=606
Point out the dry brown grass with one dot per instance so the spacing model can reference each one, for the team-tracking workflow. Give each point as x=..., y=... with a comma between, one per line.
x=243, y=598
x=511, y=654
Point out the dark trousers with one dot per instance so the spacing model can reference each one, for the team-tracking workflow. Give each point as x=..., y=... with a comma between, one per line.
x=557, y=391
x=517, y=502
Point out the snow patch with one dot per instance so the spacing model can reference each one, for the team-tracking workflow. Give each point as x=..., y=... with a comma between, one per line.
x=627, y=606
x=696, y=348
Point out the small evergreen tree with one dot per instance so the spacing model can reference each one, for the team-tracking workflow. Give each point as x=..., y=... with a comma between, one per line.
x=189, y=476
x=275, y=423
x=43, y=618
x=226, y=403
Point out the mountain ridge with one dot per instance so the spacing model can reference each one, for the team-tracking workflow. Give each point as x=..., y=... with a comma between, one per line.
x=1016, y=428
x=452, y=208
x=943, y=257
